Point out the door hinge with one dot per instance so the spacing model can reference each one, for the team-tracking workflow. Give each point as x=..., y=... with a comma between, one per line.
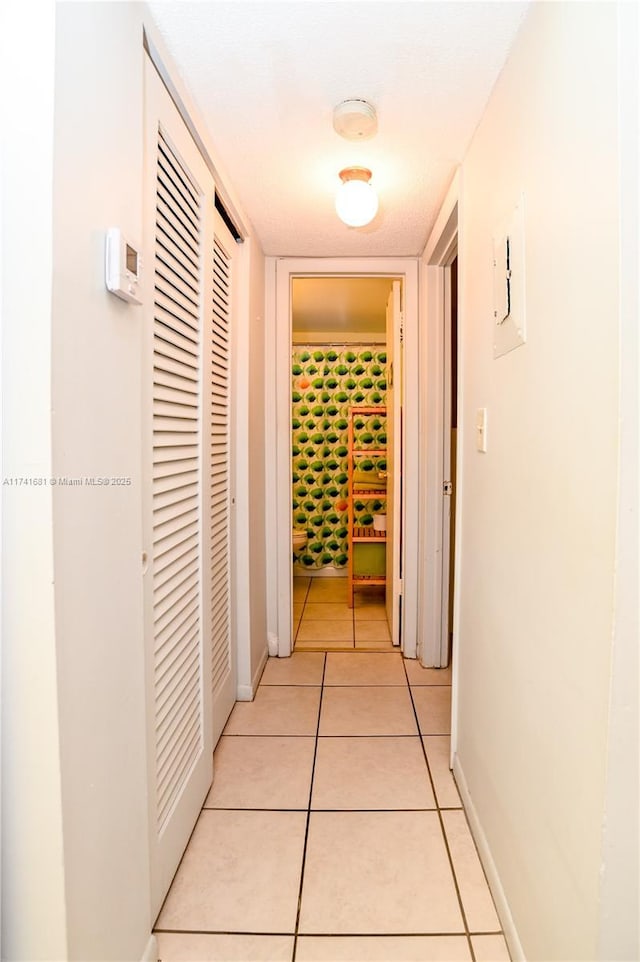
x=401, y=326
x=447, y=487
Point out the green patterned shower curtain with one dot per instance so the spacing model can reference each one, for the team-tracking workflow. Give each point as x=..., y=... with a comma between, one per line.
x=326, y=382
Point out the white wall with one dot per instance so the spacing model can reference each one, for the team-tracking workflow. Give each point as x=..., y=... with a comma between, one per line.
x=620, y=889
x=96, y=372
x=340, y=337
x=33, y=901
x=538, y=536
x=75, y=859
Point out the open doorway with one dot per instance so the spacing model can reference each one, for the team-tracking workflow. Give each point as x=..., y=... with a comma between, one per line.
x=281, y=272
x=346, y=399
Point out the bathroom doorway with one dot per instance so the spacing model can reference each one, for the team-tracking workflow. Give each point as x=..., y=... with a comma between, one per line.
x=345, y=462
x=281, y=275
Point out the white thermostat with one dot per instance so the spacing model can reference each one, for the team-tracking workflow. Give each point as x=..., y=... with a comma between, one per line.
x=123, y=266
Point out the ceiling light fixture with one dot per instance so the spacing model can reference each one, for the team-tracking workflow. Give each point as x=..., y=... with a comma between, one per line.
x=356, y=200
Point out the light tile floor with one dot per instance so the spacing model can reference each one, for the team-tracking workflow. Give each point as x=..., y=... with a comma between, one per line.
x=333, y=831
x=323, y=621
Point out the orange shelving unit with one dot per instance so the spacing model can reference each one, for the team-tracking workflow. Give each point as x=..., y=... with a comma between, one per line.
x=359, y=535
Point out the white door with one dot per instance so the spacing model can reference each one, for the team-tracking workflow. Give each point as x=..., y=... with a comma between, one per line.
x=394, y=460
x=223, y=654
x=178, y=218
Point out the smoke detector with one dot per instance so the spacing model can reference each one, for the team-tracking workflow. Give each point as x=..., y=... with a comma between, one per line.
x=355, y=120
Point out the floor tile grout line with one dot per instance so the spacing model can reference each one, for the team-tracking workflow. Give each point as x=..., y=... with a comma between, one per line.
x=265, y=735
x=486, y=880
x=285, y=735
x=315, y=648
x=328, y=935
x=299, y=684
x=233, y=932
x=370, y=735
x=456, y=808
x=441, y=820
x=347, y=685
x=306, y=833
x=329, y=811
x=304, y=605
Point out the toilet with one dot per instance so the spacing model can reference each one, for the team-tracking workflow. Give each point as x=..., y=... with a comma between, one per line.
x=299, y=540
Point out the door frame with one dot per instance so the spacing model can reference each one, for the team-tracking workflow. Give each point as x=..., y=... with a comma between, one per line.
x=439, y=252
x=448, y=501
x=279, y=274
x=396, y=448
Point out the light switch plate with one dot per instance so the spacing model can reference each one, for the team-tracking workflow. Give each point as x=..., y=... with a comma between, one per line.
x=509, y=283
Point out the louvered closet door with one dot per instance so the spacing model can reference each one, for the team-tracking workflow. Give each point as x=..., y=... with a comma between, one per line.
x=179, y=267
x=223, y=667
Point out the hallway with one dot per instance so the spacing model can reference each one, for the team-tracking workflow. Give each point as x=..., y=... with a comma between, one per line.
x=334, y=831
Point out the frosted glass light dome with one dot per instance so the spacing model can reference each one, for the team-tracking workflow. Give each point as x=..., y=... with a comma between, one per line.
x=356, y=200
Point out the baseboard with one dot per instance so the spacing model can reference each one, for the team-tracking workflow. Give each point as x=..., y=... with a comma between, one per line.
x=491, y=871
x=151, y=951
x=248, y=692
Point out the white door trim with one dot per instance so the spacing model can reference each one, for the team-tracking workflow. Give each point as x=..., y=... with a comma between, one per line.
x=279, y=272
x=443, y=242
x=437, y=256
x=446, y=500
x=395, y=453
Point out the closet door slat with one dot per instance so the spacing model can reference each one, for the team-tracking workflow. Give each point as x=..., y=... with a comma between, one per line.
x=177, y=474
x=219, y=500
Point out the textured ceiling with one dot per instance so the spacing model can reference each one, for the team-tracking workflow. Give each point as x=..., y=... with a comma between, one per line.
x=267, y=75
